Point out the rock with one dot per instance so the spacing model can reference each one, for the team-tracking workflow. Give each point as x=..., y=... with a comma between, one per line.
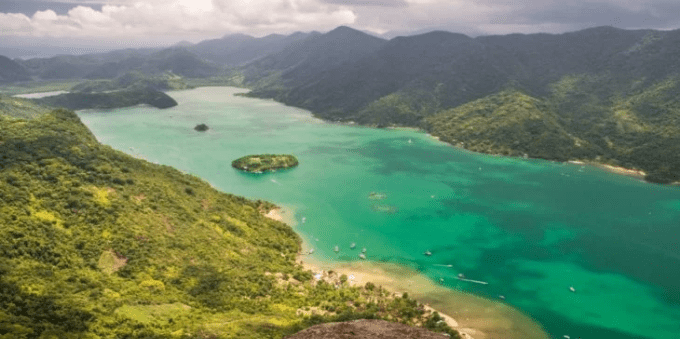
x=365, y=329
x=201, y=127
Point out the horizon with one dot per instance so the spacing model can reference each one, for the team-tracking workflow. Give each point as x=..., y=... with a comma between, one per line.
x=40, y=28
x=86, y=50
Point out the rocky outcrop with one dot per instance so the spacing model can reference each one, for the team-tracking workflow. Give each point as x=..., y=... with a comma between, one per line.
x=366, y=329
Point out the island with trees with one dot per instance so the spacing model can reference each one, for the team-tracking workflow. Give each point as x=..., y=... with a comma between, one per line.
x=260, y=163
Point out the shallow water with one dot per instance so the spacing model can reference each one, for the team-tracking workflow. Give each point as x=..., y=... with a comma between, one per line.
x=531, y=229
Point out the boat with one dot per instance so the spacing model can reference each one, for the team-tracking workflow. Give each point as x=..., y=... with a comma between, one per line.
x=336, y=249
x=571, y=288
x=362, y=256
x=428, y=253
x=409, y=141
x=352, y=246
x=304, y=219
x=363, y=250
x=311, y=251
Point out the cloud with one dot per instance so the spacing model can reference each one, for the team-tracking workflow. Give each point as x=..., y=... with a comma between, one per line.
x=183, y=19
x=133, y=18
x=371, y=3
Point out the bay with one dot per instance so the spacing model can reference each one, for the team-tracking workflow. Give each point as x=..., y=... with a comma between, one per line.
x=533, y=230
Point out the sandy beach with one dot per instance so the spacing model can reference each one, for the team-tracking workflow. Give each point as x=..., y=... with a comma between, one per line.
x=474, y=317
x=636, y=173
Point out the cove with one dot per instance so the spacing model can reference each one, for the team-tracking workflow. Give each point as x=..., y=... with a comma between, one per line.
x=530, y=229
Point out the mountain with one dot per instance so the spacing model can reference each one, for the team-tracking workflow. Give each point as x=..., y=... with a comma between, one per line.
x=238, y=49
x=600, y=94
x=178, y=60
x=303, y=61
x=133, y=81
x=10, y=71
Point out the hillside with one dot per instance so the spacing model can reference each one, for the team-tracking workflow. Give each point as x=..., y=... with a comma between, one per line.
x=133, y=81
x=302, y=61
x=97, y=244
x=10, y=71
x=113, y=99
x=605, y=95
x=238, y=49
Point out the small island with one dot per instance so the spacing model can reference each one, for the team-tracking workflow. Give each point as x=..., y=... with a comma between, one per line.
x=264, y=162
x=201, y=127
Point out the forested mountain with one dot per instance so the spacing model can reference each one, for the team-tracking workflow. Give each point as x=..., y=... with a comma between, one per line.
x=97, y=244
x=10, y=71
x=304, y=61
x=601, y=94
x=613, y=90
x=205, y=59
x=238, y=49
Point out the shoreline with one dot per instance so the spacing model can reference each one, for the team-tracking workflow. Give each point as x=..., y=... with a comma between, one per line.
x=472, y=316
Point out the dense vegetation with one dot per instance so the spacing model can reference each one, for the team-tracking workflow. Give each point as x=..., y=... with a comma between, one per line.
x=133, y=81
x=602, y=94
x=10, y=71
x=97, y=244
x=113, y=99
x=259, y=163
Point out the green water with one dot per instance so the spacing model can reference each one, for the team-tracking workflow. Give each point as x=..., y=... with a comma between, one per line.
x=531, y=229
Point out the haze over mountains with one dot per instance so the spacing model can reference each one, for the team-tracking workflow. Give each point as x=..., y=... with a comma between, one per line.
x=601, y=94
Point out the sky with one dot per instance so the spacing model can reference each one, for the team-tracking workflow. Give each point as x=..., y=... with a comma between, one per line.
x=82, y=26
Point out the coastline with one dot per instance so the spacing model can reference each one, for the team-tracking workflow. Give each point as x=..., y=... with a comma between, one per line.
x=472, y=316
x=629, y=172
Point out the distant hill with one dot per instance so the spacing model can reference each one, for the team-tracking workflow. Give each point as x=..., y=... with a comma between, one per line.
x=10, y=71
x=238, y=49
x=133, y=81
x=107, y=100
x=593, y=85
x=302, y=62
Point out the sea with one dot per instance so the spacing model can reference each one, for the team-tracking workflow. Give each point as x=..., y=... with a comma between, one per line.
x=583, y=252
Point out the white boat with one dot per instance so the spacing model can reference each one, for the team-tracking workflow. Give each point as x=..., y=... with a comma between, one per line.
x=571, y=288
x=427, y=253
x=363, y=250
x=409, y=141
x=353, y=246
x=336, y=249
x=311, y=251
x=304, y=219
x=362, y=256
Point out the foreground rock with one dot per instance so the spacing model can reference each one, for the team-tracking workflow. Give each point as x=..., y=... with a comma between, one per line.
x=366, y=329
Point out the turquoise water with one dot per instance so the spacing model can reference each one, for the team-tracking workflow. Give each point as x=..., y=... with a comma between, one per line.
x=531, y=229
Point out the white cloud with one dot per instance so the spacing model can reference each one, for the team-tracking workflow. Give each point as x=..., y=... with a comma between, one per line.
x=168, y=20
x=133, y=18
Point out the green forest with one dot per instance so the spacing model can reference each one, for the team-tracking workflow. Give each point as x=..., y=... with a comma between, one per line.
x=259, y=163
x=97, y=244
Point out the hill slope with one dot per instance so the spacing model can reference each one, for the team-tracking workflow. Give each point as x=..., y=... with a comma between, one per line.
x=97, y=244
x=114, y=99
x=601, y=94
x=11, y=71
